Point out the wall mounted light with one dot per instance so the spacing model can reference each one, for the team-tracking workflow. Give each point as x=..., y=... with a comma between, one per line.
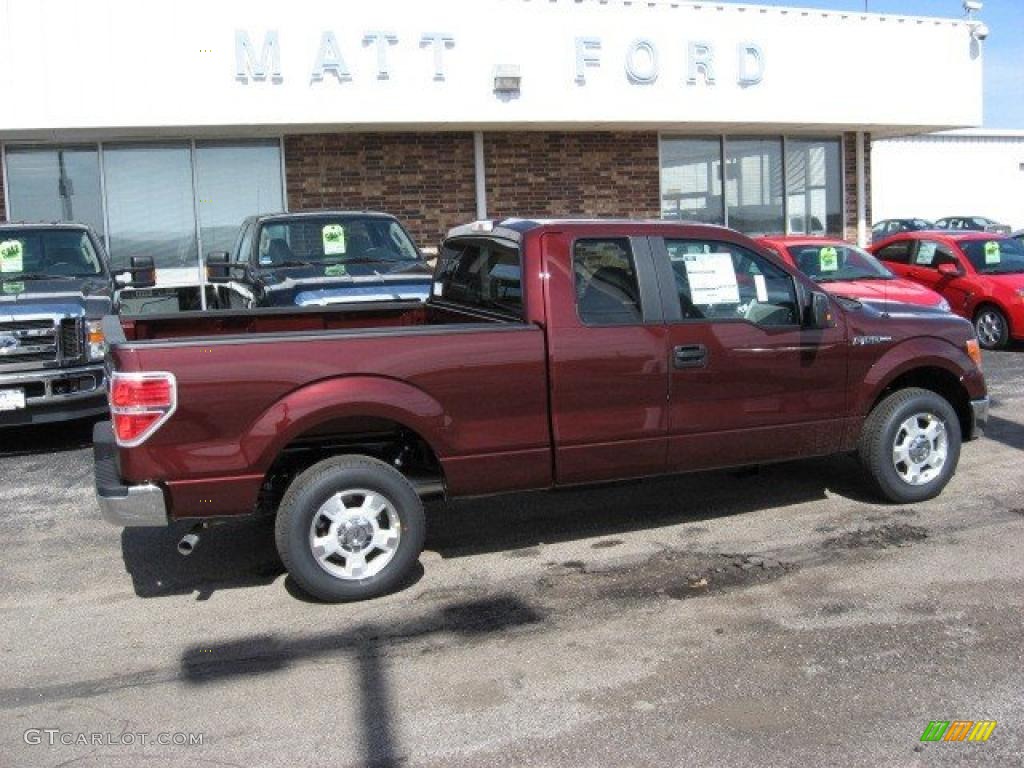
x=507, y=79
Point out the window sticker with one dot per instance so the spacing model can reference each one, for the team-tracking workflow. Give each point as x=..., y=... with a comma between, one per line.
x=14, y=287
x=828, y=258
x=993, y=255
x=925, y=253
x=334, y=239
x=712, y=278
x=11, y=252
x=438, y=288
x=335, y=270
x=761, y=288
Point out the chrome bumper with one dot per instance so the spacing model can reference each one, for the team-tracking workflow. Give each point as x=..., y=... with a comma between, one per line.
x=123, y=505
x=979, y=417
x=57, y=385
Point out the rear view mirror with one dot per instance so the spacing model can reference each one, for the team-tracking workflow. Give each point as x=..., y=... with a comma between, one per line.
x=819, y=313
x=218, y=269
x=143, y=272
x=950, y=270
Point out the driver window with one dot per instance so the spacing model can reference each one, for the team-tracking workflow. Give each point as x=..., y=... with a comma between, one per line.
x=931, y=254
x=719, y=281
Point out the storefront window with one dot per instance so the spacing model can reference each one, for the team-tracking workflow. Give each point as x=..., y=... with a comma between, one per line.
x=814, y=199
x=691, y=180
x=235, y=180
x=55, y=184
x=753, y=185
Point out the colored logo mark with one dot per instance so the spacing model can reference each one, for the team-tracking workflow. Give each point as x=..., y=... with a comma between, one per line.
x=958, y=730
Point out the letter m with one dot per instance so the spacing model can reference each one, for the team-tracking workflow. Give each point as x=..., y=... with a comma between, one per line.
x=935, y=731
x=246, y=64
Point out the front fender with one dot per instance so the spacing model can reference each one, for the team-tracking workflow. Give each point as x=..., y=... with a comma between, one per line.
x=357, y=396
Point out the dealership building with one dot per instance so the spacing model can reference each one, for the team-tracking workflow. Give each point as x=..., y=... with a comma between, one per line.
x=162, y=126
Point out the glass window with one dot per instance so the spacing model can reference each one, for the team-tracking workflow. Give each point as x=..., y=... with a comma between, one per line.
x=54, y=184
x=334, y=239
x=897, y=253
x=242, y=251
x=992, y=257
x=607, y=292
x=150, y=204
x=691, y=180
x=721, y=281
x=235, y=180
x=753, y=185
x=485, y=275
x=25, y=253
x=814, y=194
x=833, y=262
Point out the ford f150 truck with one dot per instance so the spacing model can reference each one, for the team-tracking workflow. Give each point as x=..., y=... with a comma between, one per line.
x=55, y=288
x=550, y=353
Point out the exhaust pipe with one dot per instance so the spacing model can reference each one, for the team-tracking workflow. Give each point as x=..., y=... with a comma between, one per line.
x=188, y=544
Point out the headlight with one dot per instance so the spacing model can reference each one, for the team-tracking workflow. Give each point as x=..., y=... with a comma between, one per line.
x=944, y=305
x=95, y=342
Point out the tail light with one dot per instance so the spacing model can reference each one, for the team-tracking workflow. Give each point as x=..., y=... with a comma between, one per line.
x=140, y=403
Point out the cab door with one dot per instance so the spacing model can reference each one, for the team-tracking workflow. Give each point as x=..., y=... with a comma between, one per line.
x=608, y=358
x=747, y=382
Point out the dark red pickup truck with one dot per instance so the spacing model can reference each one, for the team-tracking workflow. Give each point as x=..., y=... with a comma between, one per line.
x=550, y=353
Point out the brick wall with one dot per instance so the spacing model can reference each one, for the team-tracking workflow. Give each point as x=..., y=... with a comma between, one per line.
x=850, y=178
x=572, y=174
x=425, y=179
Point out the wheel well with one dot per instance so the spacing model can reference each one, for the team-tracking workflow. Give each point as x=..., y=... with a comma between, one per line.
x=986, y=303
x=389, y=441
x=940, y=381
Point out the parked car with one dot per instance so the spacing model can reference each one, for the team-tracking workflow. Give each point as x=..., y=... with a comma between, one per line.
x=889, y=227
x=971, y=223
x=846, y=270
x=980, y=274
x=55, y=286
x=318, y=258
x=549, y=354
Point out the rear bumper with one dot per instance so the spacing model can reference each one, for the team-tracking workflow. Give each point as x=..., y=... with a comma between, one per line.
x=123, y=505
x=59, y=394
x=979, y=417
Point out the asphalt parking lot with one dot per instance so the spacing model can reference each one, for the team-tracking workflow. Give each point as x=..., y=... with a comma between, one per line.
x=778, y=617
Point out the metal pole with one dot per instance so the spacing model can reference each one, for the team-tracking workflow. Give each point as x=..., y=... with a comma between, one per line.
x=480, y=175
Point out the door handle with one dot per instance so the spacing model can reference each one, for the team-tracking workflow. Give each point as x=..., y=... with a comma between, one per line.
x=690, y=356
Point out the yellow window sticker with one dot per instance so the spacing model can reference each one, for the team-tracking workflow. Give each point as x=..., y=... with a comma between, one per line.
x=993, y=255
x=828, y=258
x=334, y=239
x=11, y=252
x=335, y=270
x=15, y=288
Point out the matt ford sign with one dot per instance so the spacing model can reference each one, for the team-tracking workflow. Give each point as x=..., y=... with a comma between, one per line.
x=370, y=55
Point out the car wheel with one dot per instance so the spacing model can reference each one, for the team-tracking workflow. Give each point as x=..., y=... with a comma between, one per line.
x=991, y=327
x=911, y=445
x=350, y=528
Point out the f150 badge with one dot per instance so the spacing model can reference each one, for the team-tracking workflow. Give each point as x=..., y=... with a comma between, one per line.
x=863, y=341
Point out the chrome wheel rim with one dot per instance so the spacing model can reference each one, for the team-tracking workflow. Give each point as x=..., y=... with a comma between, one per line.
x=355, y=534
x=989, y=328
x=920, y=448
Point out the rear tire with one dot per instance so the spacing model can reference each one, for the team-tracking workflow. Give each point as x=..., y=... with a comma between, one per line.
x=991, y=327
x=910, y=445
x=350, y=528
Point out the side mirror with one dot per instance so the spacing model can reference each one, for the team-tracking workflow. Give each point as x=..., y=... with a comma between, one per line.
x=143, y=272
x=819, y=313
x=218, y=268
x=950, y=270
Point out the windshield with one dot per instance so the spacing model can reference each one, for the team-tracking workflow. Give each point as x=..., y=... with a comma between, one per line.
x=996, y=256
x=837, y=261
x=27, y=254
x=334, y=240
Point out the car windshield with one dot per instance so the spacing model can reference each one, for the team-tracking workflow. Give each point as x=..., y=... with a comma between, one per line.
x=828, y=262
x=27, y=254
x=996, y=256
x=334, y=240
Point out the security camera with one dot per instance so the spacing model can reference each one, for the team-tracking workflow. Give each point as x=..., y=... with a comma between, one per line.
x=972, y=6
x=979, y=31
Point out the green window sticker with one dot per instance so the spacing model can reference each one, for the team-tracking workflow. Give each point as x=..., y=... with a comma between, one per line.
x=334, y=239
x=992, y=253
x=11, y=252
x=14, y=287
x=335, y=270
x=828, y=257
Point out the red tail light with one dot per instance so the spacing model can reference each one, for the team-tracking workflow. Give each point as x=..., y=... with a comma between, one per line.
x=140, y=403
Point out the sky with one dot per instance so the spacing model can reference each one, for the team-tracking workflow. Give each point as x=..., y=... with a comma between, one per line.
x=1004, y=48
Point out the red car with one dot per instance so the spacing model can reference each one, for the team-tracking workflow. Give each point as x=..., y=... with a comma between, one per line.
x=980, y=274
x=846, y=270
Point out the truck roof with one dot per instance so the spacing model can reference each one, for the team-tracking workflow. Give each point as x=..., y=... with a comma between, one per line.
x=514, y=228
x=44, y=225
x=316, y=214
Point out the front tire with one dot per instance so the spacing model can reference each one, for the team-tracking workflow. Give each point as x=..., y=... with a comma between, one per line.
x=910, y=445
x=991, y=327
x=350, y=528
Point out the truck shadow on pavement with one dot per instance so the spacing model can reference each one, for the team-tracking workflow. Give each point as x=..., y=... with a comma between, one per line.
x=39, y=439
x=1004, y=431
x=242, y=554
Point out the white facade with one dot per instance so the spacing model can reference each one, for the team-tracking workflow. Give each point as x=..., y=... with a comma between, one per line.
x=968, y=173
x=71, y=69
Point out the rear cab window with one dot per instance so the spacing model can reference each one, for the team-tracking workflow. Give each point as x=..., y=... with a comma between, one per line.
x=481, y=274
